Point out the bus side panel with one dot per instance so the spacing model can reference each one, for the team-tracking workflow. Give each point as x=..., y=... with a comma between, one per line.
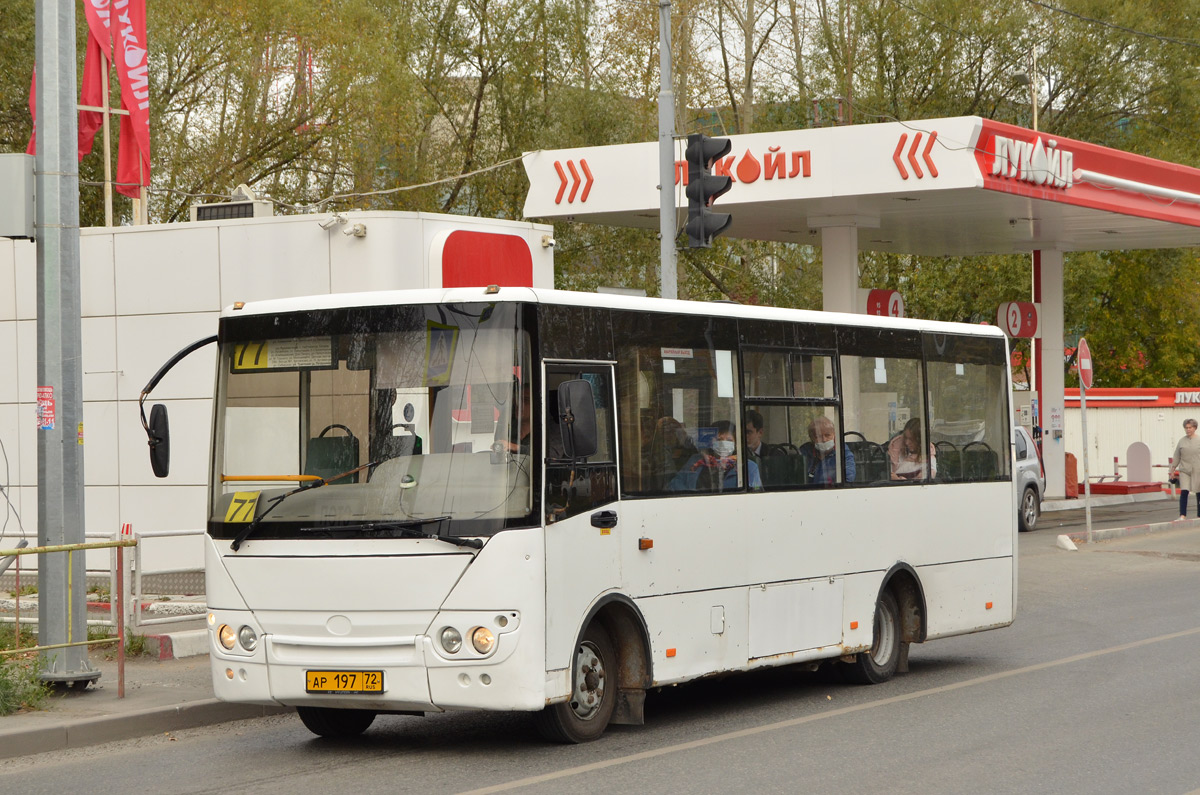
x=968, y=597
x=693, y=634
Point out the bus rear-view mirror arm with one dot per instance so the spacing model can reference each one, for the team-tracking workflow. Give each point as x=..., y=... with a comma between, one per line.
x=158, y=431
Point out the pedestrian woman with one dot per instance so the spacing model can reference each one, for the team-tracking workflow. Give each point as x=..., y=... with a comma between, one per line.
x=1186, y=461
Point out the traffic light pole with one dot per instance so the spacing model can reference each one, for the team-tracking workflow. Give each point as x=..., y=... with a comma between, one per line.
x=668, y=286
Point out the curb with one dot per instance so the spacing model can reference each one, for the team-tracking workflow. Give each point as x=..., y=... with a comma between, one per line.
x=1102, y=500
x=174, y=645
x=94, y=731
x=1081, y=536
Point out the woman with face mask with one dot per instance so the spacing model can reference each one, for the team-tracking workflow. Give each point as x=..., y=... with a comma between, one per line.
x=716, y=468
x=820, y=456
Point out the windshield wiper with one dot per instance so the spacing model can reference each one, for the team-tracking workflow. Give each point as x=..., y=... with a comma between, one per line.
x=407, y=529
x=245, y=532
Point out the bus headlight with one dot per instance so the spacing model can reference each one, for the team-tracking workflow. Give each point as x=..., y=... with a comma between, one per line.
x=451, y=640
x=247, y=638
x=483, y=640
x=225, y=636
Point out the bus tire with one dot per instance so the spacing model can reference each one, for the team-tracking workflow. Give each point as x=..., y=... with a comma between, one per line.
x=335, y=723
x=585, y=715
x=880, y=663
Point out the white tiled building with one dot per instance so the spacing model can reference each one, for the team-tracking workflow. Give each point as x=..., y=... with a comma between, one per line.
x=149, y=291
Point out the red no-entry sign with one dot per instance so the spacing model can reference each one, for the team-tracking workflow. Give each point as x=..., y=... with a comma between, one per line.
x=1084, y=357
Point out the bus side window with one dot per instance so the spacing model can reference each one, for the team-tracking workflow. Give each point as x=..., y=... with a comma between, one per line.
x=884, y=399
x=968, y=407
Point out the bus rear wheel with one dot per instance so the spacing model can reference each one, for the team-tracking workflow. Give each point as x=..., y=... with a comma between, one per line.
x=585, y=715
x=880, y=663
x=335, y=723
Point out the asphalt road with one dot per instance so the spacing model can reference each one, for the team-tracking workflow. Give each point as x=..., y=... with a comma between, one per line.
x=1092, y=690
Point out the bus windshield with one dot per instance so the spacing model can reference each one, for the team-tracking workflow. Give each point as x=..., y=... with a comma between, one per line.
x=369, y=420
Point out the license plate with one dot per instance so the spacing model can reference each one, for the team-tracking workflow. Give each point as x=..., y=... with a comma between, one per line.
x=343, y=681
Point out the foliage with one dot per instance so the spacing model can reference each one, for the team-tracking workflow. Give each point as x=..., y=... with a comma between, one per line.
x=9, y=642
x=307, y=99
x=20, y=686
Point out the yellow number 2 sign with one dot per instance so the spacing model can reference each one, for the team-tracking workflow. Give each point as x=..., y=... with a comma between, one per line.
x=241, y=507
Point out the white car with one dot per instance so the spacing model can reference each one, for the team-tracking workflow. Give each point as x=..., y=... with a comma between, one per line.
x=1030, y=480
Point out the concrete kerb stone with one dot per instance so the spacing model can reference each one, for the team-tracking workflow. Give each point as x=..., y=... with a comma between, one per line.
x=1099, y=500
x=1081, y=536
x=110, y=728
x=173, y=645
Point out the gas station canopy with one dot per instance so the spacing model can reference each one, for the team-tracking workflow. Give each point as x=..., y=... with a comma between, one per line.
x=939, y=187
x=936, y=187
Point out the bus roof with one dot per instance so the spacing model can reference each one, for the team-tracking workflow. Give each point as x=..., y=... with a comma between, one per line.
x=604, y=300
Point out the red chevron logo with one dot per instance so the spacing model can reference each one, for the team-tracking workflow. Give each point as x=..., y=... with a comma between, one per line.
x=912, y=156
x=574, y=182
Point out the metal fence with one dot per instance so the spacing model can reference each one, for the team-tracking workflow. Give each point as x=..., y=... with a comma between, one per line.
x=118, y=546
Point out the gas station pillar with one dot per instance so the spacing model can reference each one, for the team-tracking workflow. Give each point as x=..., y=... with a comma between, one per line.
x=839, y=258
x=1052, y=377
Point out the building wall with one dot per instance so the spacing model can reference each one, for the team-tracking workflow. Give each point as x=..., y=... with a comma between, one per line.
x=149, y=292
x=1112, y=430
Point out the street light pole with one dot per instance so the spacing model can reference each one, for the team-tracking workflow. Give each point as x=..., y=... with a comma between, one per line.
x=62, y=614
x=668, y=286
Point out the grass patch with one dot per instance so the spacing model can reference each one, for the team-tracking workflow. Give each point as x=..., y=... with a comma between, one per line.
x=27, y=590
x=135, y=646
x=20, y=687
x=101, y=592
x=9, y=641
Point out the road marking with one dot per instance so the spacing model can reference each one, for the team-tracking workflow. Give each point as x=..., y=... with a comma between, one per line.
x=792, y=722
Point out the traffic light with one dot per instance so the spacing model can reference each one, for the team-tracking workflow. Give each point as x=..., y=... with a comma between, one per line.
x=702, y=188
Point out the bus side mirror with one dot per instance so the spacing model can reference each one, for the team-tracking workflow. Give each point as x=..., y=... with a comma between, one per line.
x=159, y=432
x=577, y=418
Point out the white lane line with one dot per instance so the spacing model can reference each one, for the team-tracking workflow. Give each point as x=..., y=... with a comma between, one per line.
x=791, y=722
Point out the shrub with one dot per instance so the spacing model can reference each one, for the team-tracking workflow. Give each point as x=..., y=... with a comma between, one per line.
x=20, y=687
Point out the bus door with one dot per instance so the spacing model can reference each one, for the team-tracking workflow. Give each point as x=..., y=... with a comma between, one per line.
x=580, y=508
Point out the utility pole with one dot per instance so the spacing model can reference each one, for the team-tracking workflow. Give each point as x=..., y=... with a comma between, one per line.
x=62, y=608
x=668, y=286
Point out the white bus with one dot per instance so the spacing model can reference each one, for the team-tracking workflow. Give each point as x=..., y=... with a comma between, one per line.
x=522, y=499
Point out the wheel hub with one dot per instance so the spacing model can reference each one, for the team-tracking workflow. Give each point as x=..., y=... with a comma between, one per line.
x=589, y=682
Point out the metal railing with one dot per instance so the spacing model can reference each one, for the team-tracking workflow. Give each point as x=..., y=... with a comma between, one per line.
x=70, y=549
x=136, y=617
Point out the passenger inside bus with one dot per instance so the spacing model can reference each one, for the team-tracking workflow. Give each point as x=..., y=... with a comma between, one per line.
x=754, y=437
x=715, y=468
x=820, y=455
x=669, y=449
x=906, y=457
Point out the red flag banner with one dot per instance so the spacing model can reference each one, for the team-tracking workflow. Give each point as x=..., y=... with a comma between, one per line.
x=133, y=68
x=91, y=93
x=99, y=49
x=31, y=149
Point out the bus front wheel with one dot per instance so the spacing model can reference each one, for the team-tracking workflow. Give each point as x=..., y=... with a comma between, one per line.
x=585, y=715
x=335, y=723
x=880, y=663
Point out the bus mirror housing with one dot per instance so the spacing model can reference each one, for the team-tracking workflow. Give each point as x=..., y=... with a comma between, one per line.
x=577, y=418
x=159, y=433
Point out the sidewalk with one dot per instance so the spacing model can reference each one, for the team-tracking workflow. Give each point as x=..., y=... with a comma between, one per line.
x=160, y=696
